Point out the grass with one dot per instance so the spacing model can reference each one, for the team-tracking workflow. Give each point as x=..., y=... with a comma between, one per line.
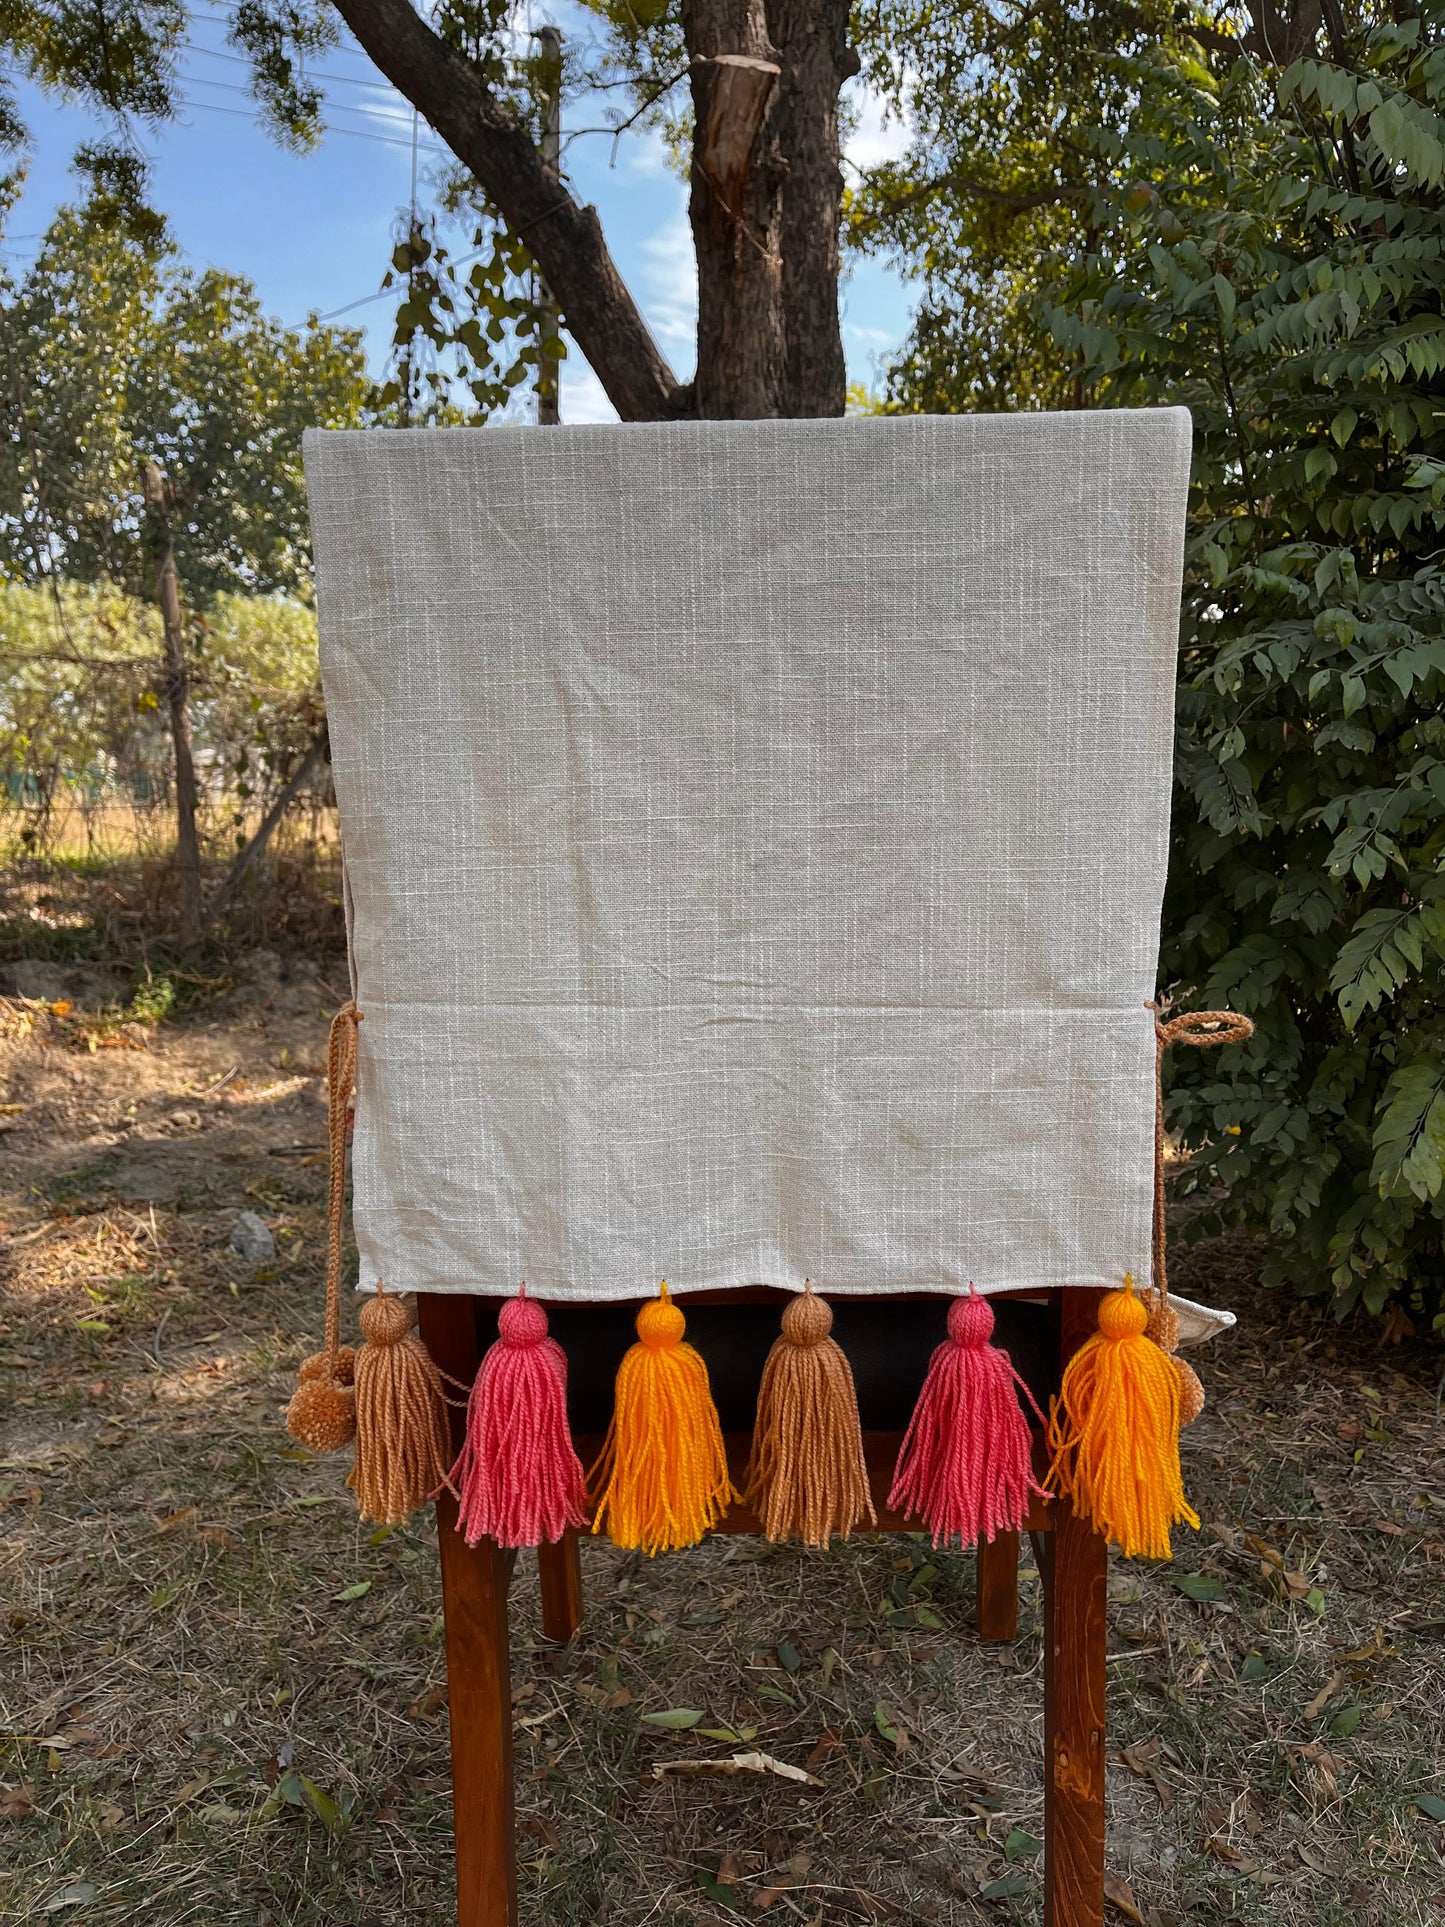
x=223, y=1699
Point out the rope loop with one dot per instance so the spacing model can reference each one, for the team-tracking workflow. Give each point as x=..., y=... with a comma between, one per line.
x=1202, y=1029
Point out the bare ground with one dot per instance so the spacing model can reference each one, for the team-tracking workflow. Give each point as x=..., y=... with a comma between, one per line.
x=222, y=1700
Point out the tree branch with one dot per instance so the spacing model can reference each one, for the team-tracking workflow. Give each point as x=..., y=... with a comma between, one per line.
x=563, y=238
x=317, y=752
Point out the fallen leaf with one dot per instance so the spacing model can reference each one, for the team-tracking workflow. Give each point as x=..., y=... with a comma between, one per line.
x=18, y=1802
x=675, y=1719
x=739, y=1763
x=1021, y=1846
x=789, y=1657
x=191, y=1789
x=348, y=1593
x=427, y=1706
x=1121, y=1895
x=1390, y=1529
x=730, y=1867
x=77, y=1894
x=1140, y=1758
x=826, y=1745
x=1007, y=1887
x=729, y=1735
x=1323, y=1697
x=1199, y=1586
x=890, y=1726
x=1430, y=1804
x=174, y=1519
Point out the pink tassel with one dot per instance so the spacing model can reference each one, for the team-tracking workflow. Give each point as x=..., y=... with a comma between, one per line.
x=966, y=1465
x=519, y=1479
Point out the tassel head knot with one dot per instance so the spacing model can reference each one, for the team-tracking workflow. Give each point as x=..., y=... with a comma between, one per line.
x=1122, y=1315
x=659, y=1323
x=385, y=1319
x=970, y=1320
x=522, y=1321
x=807, y=1319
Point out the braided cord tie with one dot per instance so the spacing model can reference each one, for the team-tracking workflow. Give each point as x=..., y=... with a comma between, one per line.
x=340, y=1084
x=1203, y=1030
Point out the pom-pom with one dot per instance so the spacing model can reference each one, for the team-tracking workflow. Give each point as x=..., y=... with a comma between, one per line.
x=1163, y=1328
x=1114, y=1432
x=402, y=1430
x=806, y=1474
x=518, y=1478
x=322, y=1412
x=662, y=1477
x=966, y=1465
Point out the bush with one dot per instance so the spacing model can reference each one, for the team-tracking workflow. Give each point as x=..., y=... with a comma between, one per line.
x=1270, y=249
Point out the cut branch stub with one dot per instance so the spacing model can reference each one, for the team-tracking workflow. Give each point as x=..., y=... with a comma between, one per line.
x=739, y=89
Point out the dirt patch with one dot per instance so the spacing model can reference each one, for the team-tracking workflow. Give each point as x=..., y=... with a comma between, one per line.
x=224, y=1699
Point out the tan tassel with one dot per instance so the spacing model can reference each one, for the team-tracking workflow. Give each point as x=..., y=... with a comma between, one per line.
x=1163, y=1328
x=806, y=1475
x=403, y=1436
x=322, y=1412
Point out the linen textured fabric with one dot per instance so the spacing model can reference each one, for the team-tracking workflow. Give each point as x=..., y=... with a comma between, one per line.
x=755, y=838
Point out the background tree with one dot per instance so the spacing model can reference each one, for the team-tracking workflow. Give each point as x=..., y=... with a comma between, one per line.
x=111, y=352
x=764, y=77
x=1262, y=239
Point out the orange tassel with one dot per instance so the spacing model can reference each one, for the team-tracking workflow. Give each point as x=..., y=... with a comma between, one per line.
x=1114, y=1432
x=806, y=1474
x=662, y=1477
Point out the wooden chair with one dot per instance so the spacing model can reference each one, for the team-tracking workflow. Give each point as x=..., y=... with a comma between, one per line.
x=1072, y=1564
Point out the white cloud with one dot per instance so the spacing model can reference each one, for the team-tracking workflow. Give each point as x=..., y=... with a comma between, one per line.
x=879, y=135
x=669, y=283
x=581, y=398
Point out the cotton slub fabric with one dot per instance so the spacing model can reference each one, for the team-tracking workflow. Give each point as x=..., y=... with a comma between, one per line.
x=755, y=837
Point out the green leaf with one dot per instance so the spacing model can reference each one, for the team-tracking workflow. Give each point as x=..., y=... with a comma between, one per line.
x=358, y=1591
x=1200, y=1586
x=1432, y=1806
x=788, y=1656
x=1346, y=1720
x=675, y=1719
x=1008, y=1886
x=1254, y=1668
x=1021, y=1846
x=887, y=1723
x=729, y=1735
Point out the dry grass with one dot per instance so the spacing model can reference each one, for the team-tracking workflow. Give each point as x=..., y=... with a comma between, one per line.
x=195, y=1618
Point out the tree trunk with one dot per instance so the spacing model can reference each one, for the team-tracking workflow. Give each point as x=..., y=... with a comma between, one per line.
x=765, y=203
x=736, y=211
x=812, y=41
x=168, y=596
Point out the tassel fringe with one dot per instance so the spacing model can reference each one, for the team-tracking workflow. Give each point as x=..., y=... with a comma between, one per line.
x=966, y=1465
x=518, y=1478
x=806, y=1474
x=403, y=1434
x=662, y=1477
x=1114, y=1432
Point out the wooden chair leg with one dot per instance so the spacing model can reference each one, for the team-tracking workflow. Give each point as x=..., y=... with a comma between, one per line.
x=997, y=1585
x=479, y=1683
x=559, y=1567
x=1075, y=1575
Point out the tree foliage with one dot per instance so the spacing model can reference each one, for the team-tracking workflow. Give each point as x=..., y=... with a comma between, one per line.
x=112, y=351
x=1266, y=244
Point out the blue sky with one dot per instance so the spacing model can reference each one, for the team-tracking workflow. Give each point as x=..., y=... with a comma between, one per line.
x=313, y=232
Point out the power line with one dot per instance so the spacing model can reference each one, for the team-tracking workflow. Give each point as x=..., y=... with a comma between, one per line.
x=309, y=73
